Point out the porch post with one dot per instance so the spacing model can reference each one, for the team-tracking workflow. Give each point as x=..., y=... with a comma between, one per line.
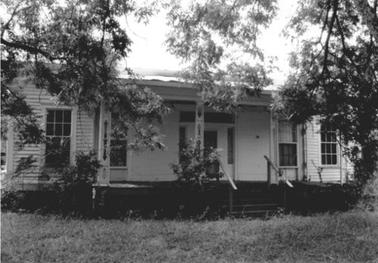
x=199, y=125
x=103, y=176
x=236, y=146
x=272, y=143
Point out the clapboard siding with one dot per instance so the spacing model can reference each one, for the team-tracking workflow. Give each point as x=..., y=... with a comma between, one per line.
x=328, y=173
x=155, y=165
x=82, y=129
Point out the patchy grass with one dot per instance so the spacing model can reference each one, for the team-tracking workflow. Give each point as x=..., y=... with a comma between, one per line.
x=341, y=237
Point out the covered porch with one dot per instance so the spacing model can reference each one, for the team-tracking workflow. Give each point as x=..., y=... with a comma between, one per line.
x=243, y=139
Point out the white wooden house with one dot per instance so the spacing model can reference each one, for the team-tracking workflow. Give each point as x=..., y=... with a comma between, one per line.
x=304, y=152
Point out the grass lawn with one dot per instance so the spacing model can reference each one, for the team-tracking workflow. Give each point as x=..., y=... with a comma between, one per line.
x=341, y=237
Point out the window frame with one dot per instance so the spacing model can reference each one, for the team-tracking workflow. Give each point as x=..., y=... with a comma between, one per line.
x=72, y=136
x=287, y=142
x=110, y=148
x=337, y=153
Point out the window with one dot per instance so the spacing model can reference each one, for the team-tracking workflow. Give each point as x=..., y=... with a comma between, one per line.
x=287, y=143
x=118, y=143
x=58, y=138
x=230, y=145
x=328, y=145
x=182, y=141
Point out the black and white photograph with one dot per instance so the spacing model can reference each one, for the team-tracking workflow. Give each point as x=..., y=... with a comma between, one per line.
x=189, y=131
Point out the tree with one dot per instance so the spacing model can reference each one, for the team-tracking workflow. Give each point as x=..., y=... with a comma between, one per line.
x=71, y=48
x=207, y=34
x=336, y=75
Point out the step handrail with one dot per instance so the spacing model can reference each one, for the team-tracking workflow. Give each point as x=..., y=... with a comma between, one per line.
x=230, y=180
x=278, y=172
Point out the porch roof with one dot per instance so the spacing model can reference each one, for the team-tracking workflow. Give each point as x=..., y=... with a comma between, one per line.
x=183, y=91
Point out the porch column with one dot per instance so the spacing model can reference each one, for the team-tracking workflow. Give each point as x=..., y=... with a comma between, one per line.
x=236, y=147
x=103, y=176
x=272, y=148
x=199, y=125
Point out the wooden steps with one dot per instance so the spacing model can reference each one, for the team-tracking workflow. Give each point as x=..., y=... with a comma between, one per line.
x=254, y=210
x=253, y=201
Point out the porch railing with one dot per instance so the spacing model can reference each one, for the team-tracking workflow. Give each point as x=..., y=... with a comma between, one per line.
x=279, y=175
x=229, y=178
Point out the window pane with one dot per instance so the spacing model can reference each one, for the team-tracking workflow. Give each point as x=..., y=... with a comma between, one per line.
x=59, y=116
x=323, y=147
x=118, y=153
x=66, y=129
x=328, y=148
x=58, y=129
x=329, y=159
x=333, y=148
x=294, y=132
x=288, y=154
x=57, y=152
x=322, y=137
x=50, y=129
x=50, y=116
x=333, y=137
x=324, y=159
x=334, y=159
x=67, y=116
x=286, y=132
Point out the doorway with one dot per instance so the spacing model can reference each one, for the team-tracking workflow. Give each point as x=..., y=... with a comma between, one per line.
x=210, y=139
x=211, y=142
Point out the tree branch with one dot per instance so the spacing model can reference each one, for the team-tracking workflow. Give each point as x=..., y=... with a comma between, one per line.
x=30, y=49
x=330, y=27
x=6, y=25
x=369, y=16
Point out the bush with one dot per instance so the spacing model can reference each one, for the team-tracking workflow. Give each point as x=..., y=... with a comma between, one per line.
x=11, y=199
x=74, y=184
x=197, y=166
x=71, y=190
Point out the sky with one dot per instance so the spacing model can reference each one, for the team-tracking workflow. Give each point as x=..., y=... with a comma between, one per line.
x=149, y=53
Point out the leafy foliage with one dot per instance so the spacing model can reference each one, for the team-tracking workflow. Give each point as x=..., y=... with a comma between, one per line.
x=74, y=184
x=14, y=108
x=72, y=48
x=335, y=75
x=202, y=33
x=196, y=165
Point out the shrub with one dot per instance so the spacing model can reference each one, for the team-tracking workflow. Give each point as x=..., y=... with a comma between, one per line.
x=74, y=184
x=196, y=166
x=11, y=199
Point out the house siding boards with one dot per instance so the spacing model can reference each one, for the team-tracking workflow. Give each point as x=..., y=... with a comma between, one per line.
x=85, y=131
x=255, y=134
x=328, y=173
x=82, y=130
x=155, y=165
